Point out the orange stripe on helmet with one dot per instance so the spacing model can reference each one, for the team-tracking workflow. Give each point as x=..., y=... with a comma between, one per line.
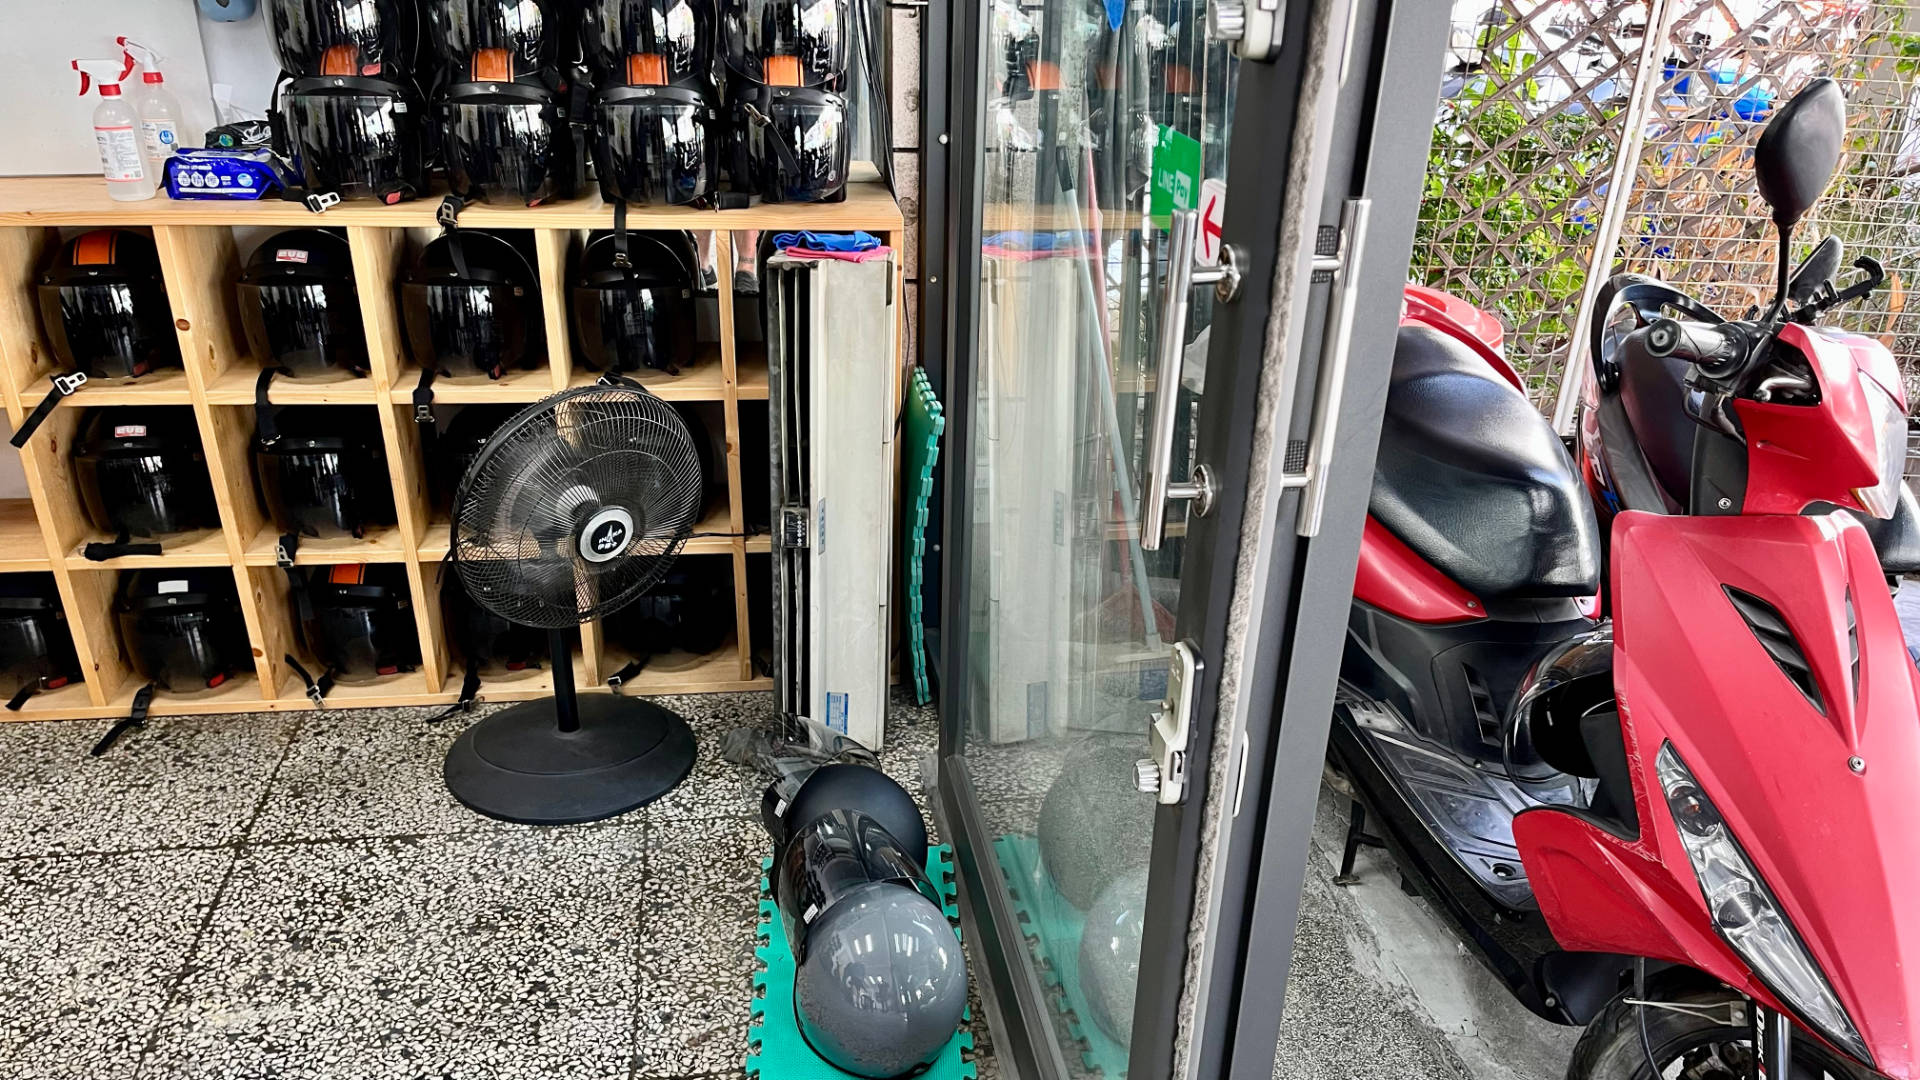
x=782, y=70
x=647, y=69
x=95, y=248
x=492, y=65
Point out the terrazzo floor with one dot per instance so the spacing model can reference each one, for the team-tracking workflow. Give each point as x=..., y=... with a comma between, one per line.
x=296, y=896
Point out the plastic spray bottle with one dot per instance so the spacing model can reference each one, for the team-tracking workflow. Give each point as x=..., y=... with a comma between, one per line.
x=116, y=129
x=158, y=109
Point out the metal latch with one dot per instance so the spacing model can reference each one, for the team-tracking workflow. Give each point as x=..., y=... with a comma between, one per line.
x=793, y=526
x=1255, y=27
x=1164, y=774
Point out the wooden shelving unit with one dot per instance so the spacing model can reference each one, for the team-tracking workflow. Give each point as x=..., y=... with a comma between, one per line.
x=201, y=246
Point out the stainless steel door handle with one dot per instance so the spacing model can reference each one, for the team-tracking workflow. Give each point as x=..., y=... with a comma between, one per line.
x=1169, y=355
x=1344, y=265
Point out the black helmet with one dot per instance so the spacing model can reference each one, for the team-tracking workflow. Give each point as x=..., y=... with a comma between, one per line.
x=654, y=144
x=372, y=39
x=449, y=454
x=790, y=144
x=787, y=42
x=326, y=472
x=503, y=104
x=357, y=620
x=471, y=301
x=182, y=626
x=488, y=643
x=141, y=470
x=648, y=42
x=105, y=308
x=633, y=302
x=36, y=648
x=298, y=302
x=358, y=138
x=691, y=610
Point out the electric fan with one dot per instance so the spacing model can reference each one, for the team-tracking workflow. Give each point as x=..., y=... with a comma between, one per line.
x=575, y=507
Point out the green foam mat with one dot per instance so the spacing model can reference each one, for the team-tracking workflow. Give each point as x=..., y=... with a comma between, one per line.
x=925, y=423
x=1052, y=927
x=775, y=1048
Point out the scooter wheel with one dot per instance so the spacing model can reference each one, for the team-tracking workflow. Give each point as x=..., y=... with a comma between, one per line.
x=1611, y=1049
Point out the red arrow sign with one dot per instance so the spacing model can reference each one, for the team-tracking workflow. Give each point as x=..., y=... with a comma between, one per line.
x=1213, y=208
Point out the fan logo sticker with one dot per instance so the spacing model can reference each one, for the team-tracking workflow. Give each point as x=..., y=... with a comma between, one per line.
x=606, y=535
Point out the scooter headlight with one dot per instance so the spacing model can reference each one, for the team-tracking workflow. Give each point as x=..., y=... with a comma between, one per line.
x=1745, y=912
x=1890, y=439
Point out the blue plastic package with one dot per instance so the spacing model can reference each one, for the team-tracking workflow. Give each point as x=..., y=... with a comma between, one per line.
x=224, y=174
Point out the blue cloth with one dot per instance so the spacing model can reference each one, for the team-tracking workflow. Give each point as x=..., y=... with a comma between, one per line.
x=1020, y=240
x=826, y=241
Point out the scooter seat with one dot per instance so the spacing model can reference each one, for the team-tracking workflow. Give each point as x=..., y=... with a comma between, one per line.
x=1473, y=479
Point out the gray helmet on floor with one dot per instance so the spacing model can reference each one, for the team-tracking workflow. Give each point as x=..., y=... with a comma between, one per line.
x=1094, y=824
x=882, y=985
x=1110, y=953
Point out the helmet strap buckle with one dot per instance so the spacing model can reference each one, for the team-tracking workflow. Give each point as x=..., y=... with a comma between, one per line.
x=448, y=213
x=66, y=385
x=322, y=201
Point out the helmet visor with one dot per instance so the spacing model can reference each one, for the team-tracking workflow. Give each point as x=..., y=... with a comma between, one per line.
x=110, y=329
x=648, y=42
x=307, y=327
x=634, y=325
x=361, y=145
x=338, y=37
x=801, y=153
x=787, y=42
x=654, y=151
x=509, y=151
x=471, y=329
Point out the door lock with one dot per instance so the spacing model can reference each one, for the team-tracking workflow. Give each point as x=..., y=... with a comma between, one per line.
x=1163, y=774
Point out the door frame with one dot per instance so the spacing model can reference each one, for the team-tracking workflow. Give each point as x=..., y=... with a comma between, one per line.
x=1235, y=849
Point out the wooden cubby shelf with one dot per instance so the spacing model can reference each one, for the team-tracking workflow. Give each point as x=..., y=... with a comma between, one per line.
x=202, y=246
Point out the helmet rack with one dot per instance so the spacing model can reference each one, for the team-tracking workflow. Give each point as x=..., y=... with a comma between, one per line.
x=201, y=246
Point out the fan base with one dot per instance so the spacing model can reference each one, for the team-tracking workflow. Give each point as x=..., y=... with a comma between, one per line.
x=517, y=765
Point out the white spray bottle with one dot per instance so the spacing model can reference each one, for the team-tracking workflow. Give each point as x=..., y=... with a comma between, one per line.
x=116, y=130
x=158, y=109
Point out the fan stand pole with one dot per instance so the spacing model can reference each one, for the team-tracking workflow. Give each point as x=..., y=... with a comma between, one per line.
x=566, y=706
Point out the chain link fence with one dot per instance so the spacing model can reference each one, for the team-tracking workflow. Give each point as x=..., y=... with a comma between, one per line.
x=1536, y=107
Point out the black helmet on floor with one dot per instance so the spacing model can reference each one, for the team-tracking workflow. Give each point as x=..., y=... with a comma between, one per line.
x=299, y=306
x=373, y=39
x=326, y=472
x=489, y=644
x=36, y=647
x=449, y=454
x=790, y=144
x=504, y=103
x=655, y=144
x=358, y=138
x=690, y=610
x=787, y=42
x=182, y=627
x=633, y=302
x=357, y=620
x=471, y=301
x=141, y=470
x=104, y=306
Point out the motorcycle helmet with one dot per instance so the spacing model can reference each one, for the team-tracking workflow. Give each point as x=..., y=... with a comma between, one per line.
x=357, y=620
x=471, y=302
x=790, y=144
x=453, y=450
x=182, y=627
x=654, y=144
x=104, y=306
x=372, y=39
x=633, y=304
x=489, y=644
x=691, y=609
x=36, y=647
x=505, y=125
x=298, y=303
x=792, y=43
x=326, y=472
x=648, y=42
x=358, y=138
x=141, y=471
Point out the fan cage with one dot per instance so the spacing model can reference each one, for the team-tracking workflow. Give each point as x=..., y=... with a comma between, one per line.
x=551, y=470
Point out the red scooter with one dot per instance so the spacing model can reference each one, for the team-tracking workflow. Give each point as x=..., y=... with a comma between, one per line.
x=1684, y=814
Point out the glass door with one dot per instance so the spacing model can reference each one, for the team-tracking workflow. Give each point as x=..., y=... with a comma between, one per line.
x=1114, y=385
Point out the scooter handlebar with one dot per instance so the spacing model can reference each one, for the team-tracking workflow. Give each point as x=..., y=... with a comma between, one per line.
x=1718, y=349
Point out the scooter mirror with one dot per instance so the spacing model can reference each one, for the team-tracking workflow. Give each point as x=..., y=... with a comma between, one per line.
x=1799, y=151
